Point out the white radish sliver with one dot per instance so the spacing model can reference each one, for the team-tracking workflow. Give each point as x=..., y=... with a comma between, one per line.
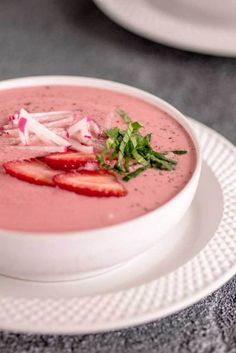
x=43, y=133
x=79, y=147
x=43, y=149
x=55, y=120
x=64, y=122
x=94, y=127
x=81, y=131
x=99, y=144
x=14, y=132
x=34, y=140
x=109, y=120
x=52, y=116
x=52, y=113
x=84, y=138
x=81, y=125
x=58, y=130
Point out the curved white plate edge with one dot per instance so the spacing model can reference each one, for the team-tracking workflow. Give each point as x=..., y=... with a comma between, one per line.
x=157, y=38
x=135, y=320
x=120, y=324
x=212, y=131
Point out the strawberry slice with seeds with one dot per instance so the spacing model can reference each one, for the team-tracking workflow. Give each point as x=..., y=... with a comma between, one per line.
x=99, y=183
x=69, y=160
x=33, y=171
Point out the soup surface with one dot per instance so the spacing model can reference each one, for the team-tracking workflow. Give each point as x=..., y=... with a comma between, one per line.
x=28, y=207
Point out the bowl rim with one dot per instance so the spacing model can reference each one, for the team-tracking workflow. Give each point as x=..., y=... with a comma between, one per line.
x=83, y=81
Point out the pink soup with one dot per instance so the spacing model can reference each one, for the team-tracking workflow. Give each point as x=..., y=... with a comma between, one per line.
x=28, y=207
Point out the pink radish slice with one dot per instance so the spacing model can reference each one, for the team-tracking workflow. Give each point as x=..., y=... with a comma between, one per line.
x=23, y=130
x=43, y=133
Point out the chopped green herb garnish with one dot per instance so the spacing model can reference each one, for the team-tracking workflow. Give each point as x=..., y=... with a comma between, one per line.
x=179, y=152
x=131, y=152
x=131, y=175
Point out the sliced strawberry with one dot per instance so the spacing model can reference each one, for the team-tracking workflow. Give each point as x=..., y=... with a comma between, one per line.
x=33, y=171
x=68, y=160
x=91, y=183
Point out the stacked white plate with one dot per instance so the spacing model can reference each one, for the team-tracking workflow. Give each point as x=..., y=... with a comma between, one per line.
x=202, y=26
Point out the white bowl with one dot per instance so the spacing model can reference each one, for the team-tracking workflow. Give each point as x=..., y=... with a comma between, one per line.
x=72, y=255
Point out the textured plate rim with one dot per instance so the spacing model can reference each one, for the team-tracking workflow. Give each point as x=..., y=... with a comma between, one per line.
x=137, y=305
x=218, y=43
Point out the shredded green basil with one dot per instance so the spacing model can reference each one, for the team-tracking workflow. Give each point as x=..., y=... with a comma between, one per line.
x=129, y=149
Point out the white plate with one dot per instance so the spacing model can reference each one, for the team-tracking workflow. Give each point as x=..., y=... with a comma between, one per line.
x=197, y=257
x=176, y=24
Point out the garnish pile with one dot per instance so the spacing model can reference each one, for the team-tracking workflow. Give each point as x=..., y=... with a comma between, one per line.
x=131, y=151
x=85, y=159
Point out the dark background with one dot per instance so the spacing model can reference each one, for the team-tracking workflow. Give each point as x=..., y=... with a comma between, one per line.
x=72, y=37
